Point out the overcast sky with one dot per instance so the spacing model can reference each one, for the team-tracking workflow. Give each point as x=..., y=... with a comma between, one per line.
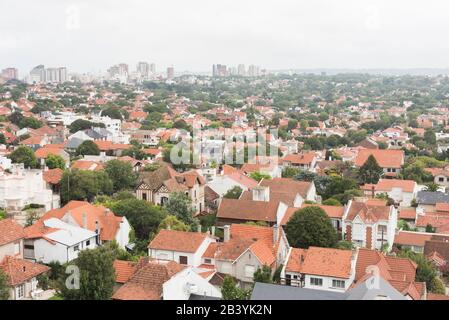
x=91, y=35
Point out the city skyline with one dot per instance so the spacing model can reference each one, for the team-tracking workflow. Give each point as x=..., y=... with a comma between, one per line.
x=89, y=37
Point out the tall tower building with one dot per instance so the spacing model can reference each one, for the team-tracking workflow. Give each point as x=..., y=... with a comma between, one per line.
x=38, y=74
x=144, y=69
x=241, y=70
x=170, y=73
x=10, y=74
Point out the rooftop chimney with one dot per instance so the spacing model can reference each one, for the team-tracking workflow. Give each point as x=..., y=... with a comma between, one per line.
x=226, y=233
x=84, y=220
x=275, y=234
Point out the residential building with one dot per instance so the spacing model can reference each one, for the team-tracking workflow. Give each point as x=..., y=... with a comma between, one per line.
x=403, y=192
x=390, y=161
x=185, y=248
x=370, y=226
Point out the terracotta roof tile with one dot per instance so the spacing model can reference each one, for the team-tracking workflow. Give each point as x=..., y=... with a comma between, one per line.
x=181, y=241
x=20, y=270
x=10, y=231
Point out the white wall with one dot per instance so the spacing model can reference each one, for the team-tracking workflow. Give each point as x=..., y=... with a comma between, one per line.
x=176, y=287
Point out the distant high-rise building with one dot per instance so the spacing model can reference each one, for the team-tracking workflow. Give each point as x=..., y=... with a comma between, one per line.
x=123, y=69
x=144, y=69
x=219, y=70
x=170, y=73
x=241, y=71
x=253, y=71
x=10, y=74
x=152, y=68
x=56, y=75
x=37, y=74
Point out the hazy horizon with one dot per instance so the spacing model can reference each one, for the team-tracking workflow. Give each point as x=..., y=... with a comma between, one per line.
x=90, y=36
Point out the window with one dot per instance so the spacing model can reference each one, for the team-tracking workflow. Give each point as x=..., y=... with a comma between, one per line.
x=338, y=284
x=21, y=291
x=441, y=179
x=316, y=282
x=144, y=196
x=29, y=246
x=183, y=260
x=288, y=280
x=76, y=248
x=208, y=261
x=87, y=243
x=249, y=271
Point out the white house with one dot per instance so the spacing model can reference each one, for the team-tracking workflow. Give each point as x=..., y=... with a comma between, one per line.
x=57, y=241
x=183, y=247
x=21, y=187
x=320, y=268
x=401, y=191
x=370, y=226
x=186, y=283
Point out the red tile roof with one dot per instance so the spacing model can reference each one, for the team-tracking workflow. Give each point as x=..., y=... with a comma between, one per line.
x=412, y=238
x=181, y=241
x=385, y=158
x=367, y=213
x=385, y=185
x=124, y=270
x=19, y=270
x=321, y=261
x=53, y=176
x=10, y=231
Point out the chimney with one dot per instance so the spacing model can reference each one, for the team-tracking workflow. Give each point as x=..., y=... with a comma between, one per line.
x=372, y=191
x=226, y=233
x=275, y=234
x=84, y=220
x=106, y=212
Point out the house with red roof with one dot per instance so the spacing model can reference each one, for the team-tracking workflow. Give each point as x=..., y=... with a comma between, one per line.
x=303, y=161
x=156, y=186
x=389, y=160
x=185, y=248
x=320, y=268
x=370, y=226
x=246, y=248
x=401, y=191
x=21, y=273
x=398, y=272
x=61, y=233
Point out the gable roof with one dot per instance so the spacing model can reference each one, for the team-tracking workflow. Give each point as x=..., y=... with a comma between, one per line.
x=182, y=241
x=108, y=223
x=20, y=271
x=385, y=158
x=389, y=184
x=147, y=281
x=399, y=272
x=248, y=210
x=412, y=238
x=432, y=198
x=321, y=261
x=10, y=231
x=53, y=176
x=368, y=213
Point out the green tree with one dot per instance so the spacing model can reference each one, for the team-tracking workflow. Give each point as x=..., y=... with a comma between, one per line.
x=172, y=223
x=332, y=202
x=233, y=193
x=290, y=172
x=4, y=286
x=370, y=172
x=311, y=226
x=54, y=161
x=425, y=271
x=263, y=275
x=135, y=152
x=230, y=291
x=88, y=147
x=121, y=174
x=2, y=138
x=432, y=187
x=180, y=205
x=25, y=155
x=84, y=185
x=97, y=276
x=430, y=137
x=144, y=217
x=258, y=176
x=82, y=124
